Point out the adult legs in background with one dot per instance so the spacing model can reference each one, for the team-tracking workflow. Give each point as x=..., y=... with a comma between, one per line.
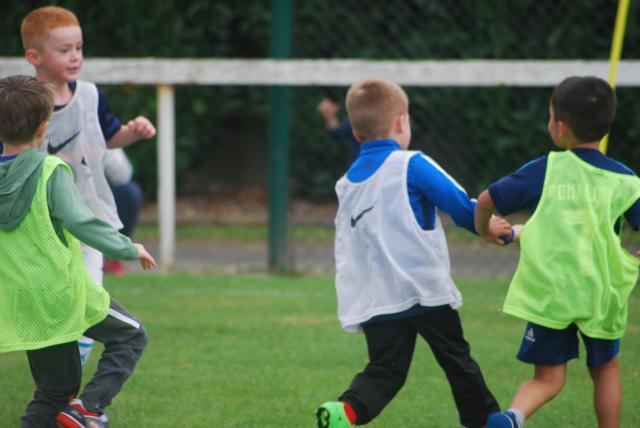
x=129, y=200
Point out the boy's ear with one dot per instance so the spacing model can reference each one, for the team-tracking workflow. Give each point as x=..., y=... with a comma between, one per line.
x=358, y=139
x=563, y=129
x=32, y=56
x=400, y=124
x=42, y=129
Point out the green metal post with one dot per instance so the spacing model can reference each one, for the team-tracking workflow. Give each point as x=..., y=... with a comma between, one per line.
x=279, y=140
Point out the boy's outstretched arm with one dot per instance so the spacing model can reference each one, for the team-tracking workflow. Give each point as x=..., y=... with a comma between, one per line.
x=139, y=128
x=440, y=189
x=329, y=111
x=68, y=209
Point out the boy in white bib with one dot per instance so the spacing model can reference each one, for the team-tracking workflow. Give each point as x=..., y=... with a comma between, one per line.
x=392, y=263
x=82, y=126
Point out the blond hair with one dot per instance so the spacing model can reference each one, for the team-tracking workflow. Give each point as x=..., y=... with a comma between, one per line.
x=39, y=22
x=373, y=105
x=25, y=102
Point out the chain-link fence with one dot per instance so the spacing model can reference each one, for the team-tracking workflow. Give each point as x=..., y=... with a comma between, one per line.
x=477, y=134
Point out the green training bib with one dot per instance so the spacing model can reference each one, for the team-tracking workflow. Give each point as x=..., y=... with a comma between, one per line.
x=572, y=266
x=46, y=294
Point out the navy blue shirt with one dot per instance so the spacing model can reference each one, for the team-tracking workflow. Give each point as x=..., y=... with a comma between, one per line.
x=523, y=188
x=344, y=132
x=429, y=187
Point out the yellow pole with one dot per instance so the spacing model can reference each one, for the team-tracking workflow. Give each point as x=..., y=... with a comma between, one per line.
x=616, y=52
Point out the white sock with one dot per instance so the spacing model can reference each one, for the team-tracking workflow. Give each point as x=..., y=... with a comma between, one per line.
x=519, y=416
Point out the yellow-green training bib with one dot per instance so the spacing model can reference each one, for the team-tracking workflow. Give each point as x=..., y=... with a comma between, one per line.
x=46, y=294
x=572, y=267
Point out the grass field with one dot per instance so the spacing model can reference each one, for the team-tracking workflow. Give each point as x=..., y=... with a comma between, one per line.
x=245, y=351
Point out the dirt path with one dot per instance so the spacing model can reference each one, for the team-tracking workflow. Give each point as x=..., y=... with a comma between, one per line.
x=470, y=259
x=241, y=256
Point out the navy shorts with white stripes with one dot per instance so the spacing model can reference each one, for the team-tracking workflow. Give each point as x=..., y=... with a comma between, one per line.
x=547, y=346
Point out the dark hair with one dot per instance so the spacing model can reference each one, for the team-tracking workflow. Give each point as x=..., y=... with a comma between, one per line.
x=587, y=105
x=25, y=103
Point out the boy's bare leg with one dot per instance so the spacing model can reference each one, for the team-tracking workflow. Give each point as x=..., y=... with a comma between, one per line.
x=547, y=382
x=607, y=393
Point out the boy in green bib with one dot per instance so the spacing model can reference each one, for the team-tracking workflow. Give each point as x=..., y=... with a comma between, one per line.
x=47, y=298
x=573, y=275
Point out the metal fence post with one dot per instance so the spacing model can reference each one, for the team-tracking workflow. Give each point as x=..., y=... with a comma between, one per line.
x=279, y=140
x=166, y=177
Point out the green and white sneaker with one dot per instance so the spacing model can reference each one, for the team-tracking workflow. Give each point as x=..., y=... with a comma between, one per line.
x=331, y=415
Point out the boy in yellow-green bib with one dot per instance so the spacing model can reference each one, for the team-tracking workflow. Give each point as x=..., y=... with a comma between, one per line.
x=48, y=300
x=573, y=275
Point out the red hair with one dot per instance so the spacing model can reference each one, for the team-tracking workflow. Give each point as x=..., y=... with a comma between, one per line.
x=37, y=24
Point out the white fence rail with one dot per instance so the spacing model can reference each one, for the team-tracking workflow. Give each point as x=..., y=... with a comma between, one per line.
x=337, y=72
x=164, y=73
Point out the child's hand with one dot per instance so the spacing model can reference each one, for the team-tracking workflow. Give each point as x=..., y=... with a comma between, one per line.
x=329, y=111
x=146, y=261
x=328, y=108
x=500, y=232
x=141, y=128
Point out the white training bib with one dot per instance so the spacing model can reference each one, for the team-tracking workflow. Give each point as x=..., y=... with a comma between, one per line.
x=75, y=136
x=385, y=262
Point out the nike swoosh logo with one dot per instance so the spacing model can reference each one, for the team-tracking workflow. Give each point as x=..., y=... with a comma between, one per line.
x=55, y=149
x=354, y=221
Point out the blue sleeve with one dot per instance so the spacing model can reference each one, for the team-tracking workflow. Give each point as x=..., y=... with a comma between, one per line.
x=520, y=190
x=109, y=122
x=438, y=190
x=344, y=132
